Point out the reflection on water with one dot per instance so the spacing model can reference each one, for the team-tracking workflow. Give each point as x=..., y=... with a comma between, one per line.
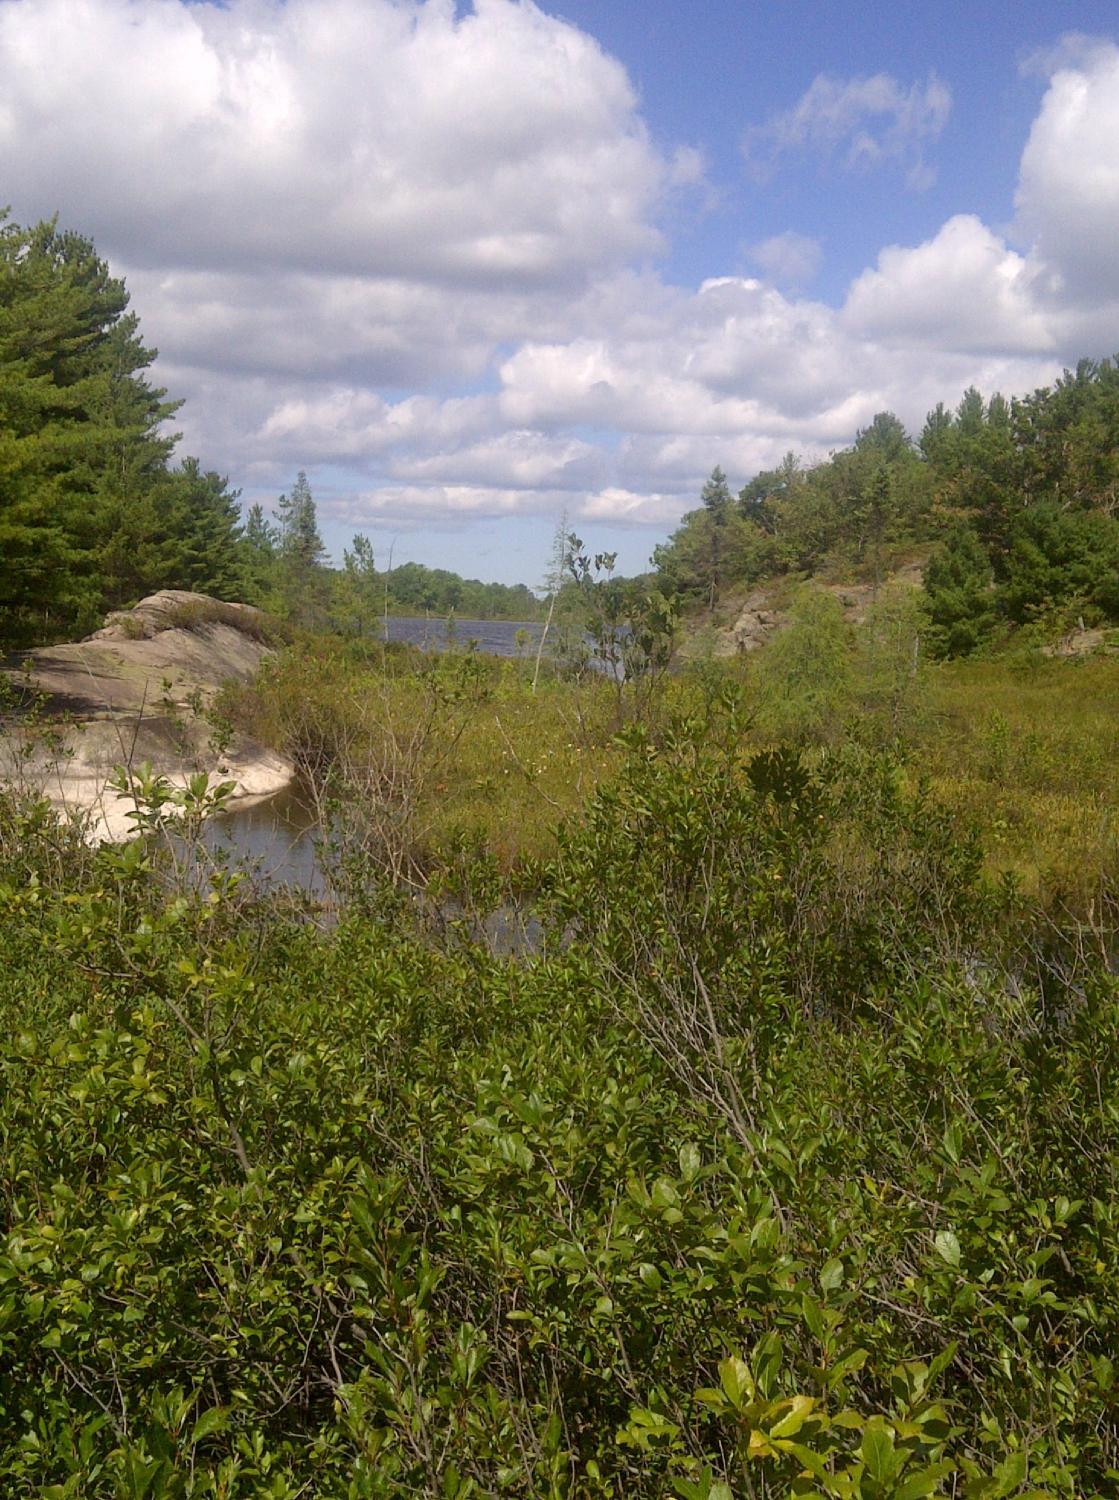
x=274, y=840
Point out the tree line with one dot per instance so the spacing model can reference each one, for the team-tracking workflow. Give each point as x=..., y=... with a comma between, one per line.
x=95, y=511
x=286, y=571
x=1018, y=501
x=1014, y=502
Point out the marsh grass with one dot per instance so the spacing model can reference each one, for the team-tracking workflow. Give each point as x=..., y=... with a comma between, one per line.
x=1026, y=747
x=1022, y=747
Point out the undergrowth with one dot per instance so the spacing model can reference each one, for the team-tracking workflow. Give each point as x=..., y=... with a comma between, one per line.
x=786, y=1167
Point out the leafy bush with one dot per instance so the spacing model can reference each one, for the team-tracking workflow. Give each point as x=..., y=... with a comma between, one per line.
x=785, y=1168
x=805, y=676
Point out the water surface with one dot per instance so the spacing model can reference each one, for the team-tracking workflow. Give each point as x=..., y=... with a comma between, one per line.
x=494, y=637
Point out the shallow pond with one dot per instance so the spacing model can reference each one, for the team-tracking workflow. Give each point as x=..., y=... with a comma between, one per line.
x=274, y=840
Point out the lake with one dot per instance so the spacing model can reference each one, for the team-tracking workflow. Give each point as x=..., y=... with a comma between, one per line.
x=494, y=637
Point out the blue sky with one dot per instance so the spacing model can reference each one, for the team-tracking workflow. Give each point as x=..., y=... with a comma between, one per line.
x=706, y=72
x=473, y=266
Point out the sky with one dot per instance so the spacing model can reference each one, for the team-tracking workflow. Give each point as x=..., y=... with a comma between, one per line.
x=477, y=267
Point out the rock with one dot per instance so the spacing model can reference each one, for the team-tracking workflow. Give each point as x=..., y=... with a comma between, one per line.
x=136, y=691
x=1079, y=642
x=172, y=609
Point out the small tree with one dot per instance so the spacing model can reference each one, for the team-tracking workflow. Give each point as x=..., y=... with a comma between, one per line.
x=357, y=587
x=718, y=508
x=553, y=583
x=301, y=554
x=888, y=661
x=959, y=595
x=805, y=674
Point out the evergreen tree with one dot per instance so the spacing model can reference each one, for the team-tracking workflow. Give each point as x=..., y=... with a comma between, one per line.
x=357, y=591
x=936, y=432
x=260, y=556
x=203, y=533
x=1059, y=558
x=82, y=450
x=301, y=556
x=959, y=595
x=885, y=438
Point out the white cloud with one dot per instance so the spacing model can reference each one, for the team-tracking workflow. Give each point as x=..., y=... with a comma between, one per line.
x=964, y=289
x=857, y=123
x=1068, y=189
x=790, y=259
x=410, y=249
x=359, y=137
x=525, y=460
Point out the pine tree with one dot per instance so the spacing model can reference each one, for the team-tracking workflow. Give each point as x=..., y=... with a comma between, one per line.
x=357, y=587
x=202, y=540
x=81, y=446
x=303, y=582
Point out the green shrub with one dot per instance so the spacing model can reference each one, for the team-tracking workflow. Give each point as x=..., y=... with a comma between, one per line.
x=805, y=675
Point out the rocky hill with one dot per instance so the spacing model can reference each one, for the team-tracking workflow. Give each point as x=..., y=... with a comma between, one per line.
x=136, y=690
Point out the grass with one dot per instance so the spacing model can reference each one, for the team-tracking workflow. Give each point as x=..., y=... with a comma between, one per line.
x=255, y=623
x=1023, y=746
x=1026, y=746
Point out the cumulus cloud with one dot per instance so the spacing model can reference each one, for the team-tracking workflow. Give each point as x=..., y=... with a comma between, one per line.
x=855, y=123
x=789, y=259
x=1068, y=189
x=408, y=244
x=963, y=289
x=361, y=137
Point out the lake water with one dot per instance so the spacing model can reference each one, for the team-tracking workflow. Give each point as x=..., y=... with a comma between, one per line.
x=275, y=840
x=494, y=637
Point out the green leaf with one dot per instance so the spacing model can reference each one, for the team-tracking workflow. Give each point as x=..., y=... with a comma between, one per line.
x=1009, y=1475
x=948, y=1247
x=736, y=1381
x=790, y=1424
x=831, y=1276
x=690, y=1160
x=924, y=1482
x=211, y=1421
x=877, y=1449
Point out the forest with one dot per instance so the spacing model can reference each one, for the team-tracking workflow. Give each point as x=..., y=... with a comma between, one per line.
x=95, y=512
x=697, y=1076
x=1015, y=503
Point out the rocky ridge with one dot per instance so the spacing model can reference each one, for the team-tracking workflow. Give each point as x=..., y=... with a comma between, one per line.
x=136, y=691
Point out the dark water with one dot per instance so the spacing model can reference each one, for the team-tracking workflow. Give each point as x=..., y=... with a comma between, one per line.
x=494, y=637
x=274, y=841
